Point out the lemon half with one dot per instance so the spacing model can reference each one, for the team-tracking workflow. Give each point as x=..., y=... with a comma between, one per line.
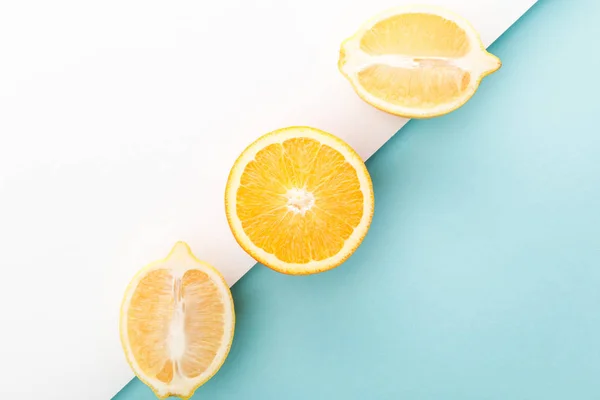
x=177, y=323
x=416, y=62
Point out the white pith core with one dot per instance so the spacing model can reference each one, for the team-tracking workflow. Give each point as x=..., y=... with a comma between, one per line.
x=299, y=200
x=176, y=340
x=475, y=62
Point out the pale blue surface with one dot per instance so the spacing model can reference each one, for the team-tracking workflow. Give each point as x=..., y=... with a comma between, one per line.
x=480, y=277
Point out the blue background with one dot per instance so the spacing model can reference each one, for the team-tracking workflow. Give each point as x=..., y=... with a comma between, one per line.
x=479, y=278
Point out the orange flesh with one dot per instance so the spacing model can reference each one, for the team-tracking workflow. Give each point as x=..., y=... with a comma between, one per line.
x=425, y=87
x=416, y=35
x=299, y=233
x=424, y=47
x=156, y=302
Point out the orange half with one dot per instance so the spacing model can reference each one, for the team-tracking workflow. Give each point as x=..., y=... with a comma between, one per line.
x=299, y=200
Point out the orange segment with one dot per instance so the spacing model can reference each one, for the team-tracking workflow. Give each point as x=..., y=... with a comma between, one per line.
x=177, y=323
x=299, y=200
x=416, y=62
x=416, y=35
x=150, y=312
x=204, y=312
x=425, y=87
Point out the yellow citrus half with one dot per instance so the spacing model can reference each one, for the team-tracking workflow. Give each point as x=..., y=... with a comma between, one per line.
x=299, y=200
x=177, y=323
x=416, y=62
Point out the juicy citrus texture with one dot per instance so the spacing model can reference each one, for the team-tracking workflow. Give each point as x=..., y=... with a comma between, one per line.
x=157, y=306
x=416, y=61
x=417, y=35
x=306, y=188
x=177, y=323
x=299, y=200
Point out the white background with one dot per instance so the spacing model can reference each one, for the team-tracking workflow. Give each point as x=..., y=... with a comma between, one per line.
x=119, y=121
